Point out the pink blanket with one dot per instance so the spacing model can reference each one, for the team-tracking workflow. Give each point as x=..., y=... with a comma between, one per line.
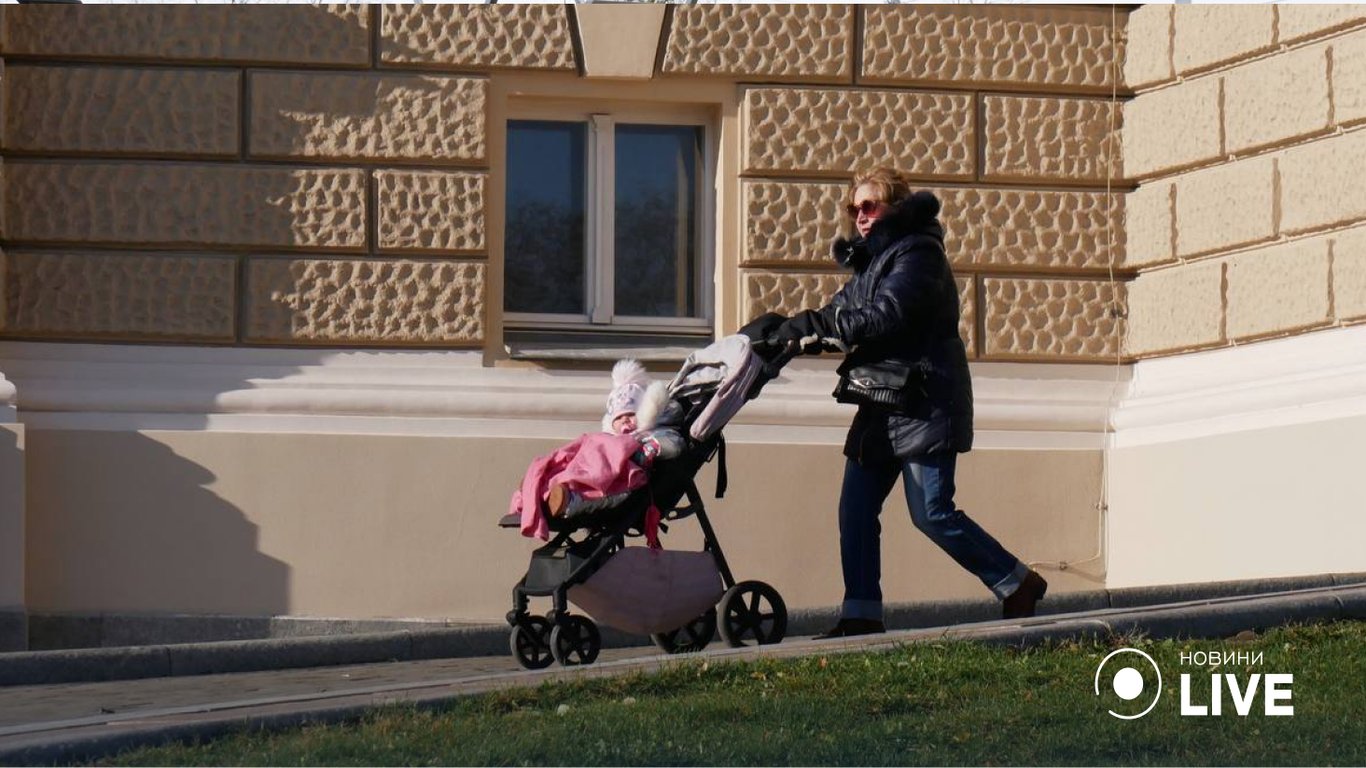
x=597, y=464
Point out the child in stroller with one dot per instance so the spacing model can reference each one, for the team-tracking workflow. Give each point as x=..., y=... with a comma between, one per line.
x=635, y=407
x=666, y=594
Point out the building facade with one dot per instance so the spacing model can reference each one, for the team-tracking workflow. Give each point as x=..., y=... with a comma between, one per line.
x=292, y=295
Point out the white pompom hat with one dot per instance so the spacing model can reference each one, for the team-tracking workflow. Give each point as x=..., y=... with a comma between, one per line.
x=629, y=382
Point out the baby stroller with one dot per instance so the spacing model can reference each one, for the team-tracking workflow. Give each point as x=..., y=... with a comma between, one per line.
x=588, y=562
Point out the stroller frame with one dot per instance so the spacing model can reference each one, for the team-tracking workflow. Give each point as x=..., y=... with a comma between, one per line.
x=749, y=611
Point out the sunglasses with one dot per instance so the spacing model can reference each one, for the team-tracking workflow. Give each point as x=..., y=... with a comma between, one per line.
x=867, y=208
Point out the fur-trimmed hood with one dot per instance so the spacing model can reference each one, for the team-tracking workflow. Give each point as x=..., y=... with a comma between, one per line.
x=916, y=215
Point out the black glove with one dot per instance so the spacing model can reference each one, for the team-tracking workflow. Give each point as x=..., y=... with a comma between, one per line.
x=760, y=331
x=812, y=331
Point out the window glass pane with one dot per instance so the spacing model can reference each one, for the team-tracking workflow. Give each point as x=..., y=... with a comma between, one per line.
x=656, y=220
x=544, y=241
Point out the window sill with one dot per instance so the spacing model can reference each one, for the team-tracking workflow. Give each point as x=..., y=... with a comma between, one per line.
x=524, y=344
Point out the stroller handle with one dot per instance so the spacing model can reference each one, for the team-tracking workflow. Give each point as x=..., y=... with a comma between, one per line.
x=775, y=355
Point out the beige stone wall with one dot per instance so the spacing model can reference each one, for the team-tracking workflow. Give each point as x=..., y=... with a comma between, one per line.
x=300, y=175
x=371, y=526
x=1246, y=139
x=12, y=562
x=1020, y=139
x=253, y=175
x=1220, y=508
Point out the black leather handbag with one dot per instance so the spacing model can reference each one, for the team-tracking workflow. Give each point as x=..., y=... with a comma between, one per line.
x=887, y=384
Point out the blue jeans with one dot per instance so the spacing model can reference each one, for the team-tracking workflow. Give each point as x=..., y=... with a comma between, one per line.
x=929, y=494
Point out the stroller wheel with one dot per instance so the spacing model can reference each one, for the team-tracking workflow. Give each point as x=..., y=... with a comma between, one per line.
x=530, y=643
x=752, y=612
x=575, y=640
x=690, y=637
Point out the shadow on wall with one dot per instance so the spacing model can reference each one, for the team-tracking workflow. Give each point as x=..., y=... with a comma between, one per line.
x=120, y=521
x=123, y=525
x=13, y=625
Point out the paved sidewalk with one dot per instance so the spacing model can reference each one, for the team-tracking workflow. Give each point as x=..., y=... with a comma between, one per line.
x=64, y=722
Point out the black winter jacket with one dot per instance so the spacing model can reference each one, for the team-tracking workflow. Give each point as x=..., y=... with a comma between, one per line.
x=902, y=304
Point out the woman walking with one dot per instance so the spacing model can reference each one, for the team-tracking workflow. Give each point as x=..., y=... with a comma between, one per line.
x=906, y=368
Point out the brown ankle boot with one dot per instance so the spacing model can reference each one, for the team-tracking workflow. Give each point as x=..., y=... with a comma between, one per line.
x=1025, y=598
x=557, y=500
x=852, y=628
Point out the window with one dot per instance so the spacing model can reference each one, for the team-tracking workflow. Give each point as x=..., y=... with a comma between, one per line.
x=607, y=215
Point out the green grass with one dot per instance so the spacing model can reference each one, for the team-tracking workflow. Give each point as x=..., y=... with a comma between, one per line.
x=944, y=703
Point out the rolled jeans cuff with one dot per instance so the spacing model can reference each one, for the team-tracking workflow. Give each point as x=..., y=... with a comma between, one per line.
x=1007, y=586
x=861, y=609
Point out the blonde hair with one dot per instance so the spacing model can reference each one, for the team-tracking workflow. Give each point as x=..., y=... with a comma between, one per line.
x=892, y=186
x=889, y=185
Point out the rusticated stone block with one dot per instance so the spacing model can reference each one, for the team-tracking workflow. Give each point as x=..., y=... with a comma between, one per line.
x=498, y=36
x=1148, y=53
x=794, y=223
x=1052, y=319
x=967, y=313
x=256, y=34
x=385, y=117
x=1299, y=21
x=1277, y=99
x=365, y=301
x=431, y=210
x=788, y=293
x=118, y=109
x=1349, y=78
x=1032, y=229
x=1148, y=225
x=1070, y=48
x=120, y=295
x=1279, y=289
x=1349, y=274
x=1172, y=128
x=185, y=203
x=1225, y=206
x=1208, y=35
x=821, y=130
x=1321, y=183
x=1030, y=137
x=1176, y=309
x=770, y=41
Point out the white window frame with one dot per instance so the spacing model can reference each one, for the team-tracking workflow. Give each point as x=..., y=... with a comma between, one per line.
x=599, y=232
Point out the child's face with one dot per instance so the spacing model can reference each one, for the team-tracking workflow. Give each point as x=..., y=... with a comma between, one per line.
x=624, y=424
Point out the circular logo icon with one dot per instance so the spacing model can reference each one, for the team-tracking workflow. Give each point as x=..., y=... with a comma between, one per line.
x=1126, y=680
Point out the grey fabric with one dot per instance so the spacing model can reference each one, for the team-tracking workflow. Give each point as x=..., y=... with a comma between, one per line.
x=727, y=368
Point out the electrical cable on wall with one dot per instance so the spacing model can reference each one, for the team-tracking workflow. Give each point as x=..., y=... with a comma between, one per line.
x=1119, y=315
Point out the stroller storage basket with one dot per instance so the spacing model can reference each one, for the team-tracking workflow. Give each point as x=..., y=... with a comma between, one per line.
x=552, y=565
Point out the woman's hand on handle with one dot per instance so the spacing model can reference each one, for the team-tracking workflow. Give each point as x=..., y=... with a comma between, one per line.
x=812, y=331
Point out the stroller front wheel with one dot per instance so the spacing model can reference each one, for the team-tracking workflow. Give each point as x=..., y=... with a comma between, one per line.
x=752, y=612
x=530, y=643
x=575, y=640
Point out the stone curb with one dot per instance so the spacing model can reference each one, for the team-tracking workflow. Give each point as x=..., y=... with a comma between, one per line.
x=1218, y=617
x=135, y=662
